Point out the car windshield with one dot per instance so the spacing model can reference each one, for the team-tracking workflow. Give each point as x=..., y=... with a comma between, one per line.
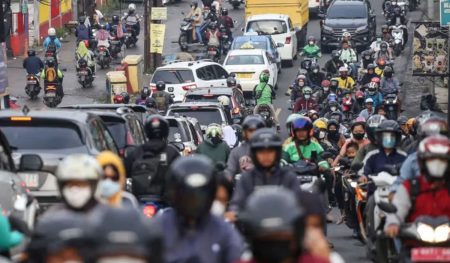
x=347, y=11
x=248, y=44
x=178, y=76
x=37, y=136
x=245, y=60
x=204, y=97
x=267, y=27
x=118, y=131
x=176, y=133
x=203, y=115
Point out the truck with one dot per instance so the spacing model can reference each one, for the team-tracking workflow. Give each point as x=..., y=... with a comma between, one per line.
x=297, y=10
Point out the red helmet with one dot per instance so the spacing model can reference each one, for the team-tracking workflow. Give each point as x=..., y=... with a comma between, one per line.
x=433, y=126
x=359, y=95
x=433, y=156
x=325, y=83
x=376, y=80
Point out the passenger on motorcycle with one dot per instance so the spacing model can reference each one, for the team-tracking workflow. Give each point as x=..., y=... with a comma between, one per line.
x=226, y=20
x=388, y=136
x=386, y=34
x=320, y=134
x=32, y=63
x=381, y=64
x=366, y=59
x=82, y=32
x=83, y=52
x=133, y=19
x=358, y=130
x=427, y=195
x=332, y=66
x=389, y=83
x=306, y=102
x=162, y=97
x=145, y=93
x=315, y=77
x=52, y=74
x=52, y=43
x=384, y=52
x=373, y=93
x=239, y=160
x=369, y=110
x=196, y=14
x=311, y=49
x=331, y=106
x=190, y=229
x=214, y=147
x=264, y=92
x=367, y=78
x=214, y=36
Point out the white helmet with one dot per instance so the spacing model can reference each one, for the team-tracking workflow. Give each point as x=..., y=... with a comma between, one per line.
x=79, y=167
x=224, y=100
x=51, y=31
x=131, y=7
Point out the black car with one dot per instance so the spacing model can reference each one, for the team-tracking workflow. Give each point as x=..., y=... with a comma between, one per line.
x=353, y=16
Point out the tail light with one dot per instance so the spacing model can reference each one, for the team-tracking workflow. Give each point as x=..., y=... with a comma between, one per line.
x=149, y=211
x=130, y=140
x=189, y=87
x=288, y=41
x=236, y=111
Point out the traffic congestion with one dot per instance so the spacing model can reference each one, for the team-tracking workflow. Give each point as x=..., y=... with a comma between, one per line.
x=272, y=132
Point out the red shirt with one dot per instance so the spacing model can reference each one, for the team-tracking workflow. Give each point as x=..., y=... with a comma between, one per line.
x=305, y=105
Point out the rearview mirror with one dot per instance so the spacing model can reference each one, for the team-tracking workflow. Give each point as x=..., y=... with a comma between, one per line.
x=30, y=162
x=242, y=29
x=280, y=45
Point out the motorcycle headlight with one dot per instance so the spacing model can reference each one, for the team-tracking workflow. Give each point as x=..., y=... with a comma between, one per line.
x=441, y=233
x=426, y=233
x=353, y=184
x=362, y=29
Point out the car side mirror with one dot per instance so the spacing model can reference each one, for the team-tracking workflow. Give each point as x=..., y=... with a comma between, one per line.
x=30, y=162
x=280, y=45
x=387, y=207
x=321, y=15
x=178, y=145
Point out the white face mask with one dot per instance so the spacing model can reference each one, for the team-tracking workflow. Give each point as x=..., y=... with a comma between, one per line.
x=217, y=208
x=315, y=70
x=307, y=96
x=108, y=188
x=321, y=134
x=333, y=108
x=436, y=167
x=325, y=88
x=77, y=196
x=311, y=43
x=121, y=259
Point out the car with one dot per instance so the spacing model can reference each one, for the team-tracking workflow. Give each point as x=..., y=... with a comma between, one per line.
x=314, y=7
x=280, y=28
x=205, y=112
x=53, y=135
x=182, y=130
x=247, y=65
x=183, y=76
x=355, y=17
x=139, y=110
x=253, y=40
x=238, y=110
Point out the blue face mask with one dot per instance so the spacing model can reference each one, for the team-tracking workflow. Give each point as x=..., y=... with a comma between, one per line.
x=389, y=140
x=108, y=188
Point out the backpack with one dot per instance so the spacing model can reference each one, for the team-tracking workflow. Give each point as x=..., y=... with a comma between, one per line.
x=146, y=172
x=160, y=99
x=50, y=74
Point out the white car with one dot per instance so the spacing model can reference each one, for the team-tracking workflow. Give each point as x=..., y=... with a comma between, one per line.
x=280, y=28
x=180, y=77
x=247, y=65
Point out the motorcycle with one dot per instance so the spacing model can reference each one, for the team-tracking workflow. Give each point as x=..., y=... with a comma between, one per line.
x=265, y=111
x=103, y=57
x=391, y=106
x=308, y=61
x=33, y=87
x=236, y=3
x=214, y=53
x=308, y=175
x=84, y=74
x=186, y=38
x=130, y=37
x=397, y=33
x=116, y=47
x=51, y=96
x=225, y=39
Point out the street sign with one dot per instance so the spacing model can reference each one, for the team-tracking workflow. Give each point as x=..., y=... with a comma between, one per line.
x=159, y=13
x=157, y=32
x=445, y=13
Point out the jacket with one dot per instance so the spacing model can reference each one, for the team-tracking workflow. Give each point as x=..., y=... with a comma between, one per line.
x=109, y=158
x=213, y=241
x=346, y=83
x=33, y=65
x=348, y=55
x=305, y=105
x=216, y=152
x=239, y=160
x=332, y=66
x=377, y=159
x=196, y=14
x=389, y=85
x=291, y=155
x=82, y=32
x=367, y=78
x=361, y=155
x=49, y=40
x=377, y=99
x=255, y=177
x=312, y=51
x=408, y=171
x=266, y=93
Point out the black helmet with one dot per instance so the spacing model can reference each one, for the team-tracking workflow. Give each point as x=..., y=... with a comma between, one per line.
x=371, y=66
x=150, y=103
x=332, y=122
x=383, y=46
x=335, y=54
x=31, y=52
x=388, y=126
x=336, y=115
x=156, y=127
x=238, y=130
x=126, y=97
x=224, y=11
x=194, y=3
x=145, y=93
x=384, y=28
x=192, y=186
x=315, y=66
x=160, y=85
x=265, y=138
x=115, y=19
x=402, y=120
x=388, y=71
x=102, y=26
x=372, y=124
x=253, y=122
x=50, y=62
x=284, y=216
x=231, y=82
x=212, y=26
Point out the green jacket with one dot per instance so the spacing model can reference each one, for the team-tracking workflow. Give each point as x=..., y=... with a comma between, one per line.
x=266, y=94
x=290, y=153
x=312, y=51
x=216, y=152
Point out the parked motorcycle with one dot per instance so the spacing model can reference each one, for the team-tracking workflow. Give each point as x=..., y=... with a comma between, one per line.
x=33, y=87
x=103, y=57
x=84, y=74
x=51, y=96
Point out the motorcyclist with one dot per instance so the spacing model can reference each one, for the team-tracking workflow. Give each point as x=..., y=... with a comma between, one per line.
x=145, y=93
x=196, y=14
x=116, y=28
x=190, y=232
x=313, y=115
x=52, y=74
x=239, y=159
x=381, y=64
x=297, y=87
x=348, y=55
x=289, y=240
x=325, y=91
x=358, y=130
x=214, y=147
x=366, y=58
x=388, y=136
x=162, y=97
x=133, y=20
x=367, y=78
x=373, y=93
x=384, y=52
x=312, y=50
x=334, y=85
x=214, y=36
x=32, y=63
x=332, y=106
x=345, y=81
x=315, y=77
x=306, y=102
x=332, y=66
x=83, y=52
x=389, y=83
x=264, y=92
x=103, y=37
x=157, y=131
x=82, y=32
x=386, y=35
x=52, y=43
x=397, y=13
x=227, y=21
x=334, y=135
x=359, y=104
x=375, y=46
x=428, y=195
x=369, y=110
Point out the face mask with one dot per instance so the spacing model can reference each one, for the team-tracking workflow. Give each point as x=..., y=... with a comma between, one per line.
x=388, y=140
x=77, y=196
x=371, y=92
x=333, y=108
x=271, y=250
x=307, y=96
x=217, y=208
x=322, y=134
x=333, y=135
x=108, y=188
x=358, y=136
x=315, y=70
x=326, y=89
x=311, y=43
x=120, y=259
x=367, y=57
x=436, y=168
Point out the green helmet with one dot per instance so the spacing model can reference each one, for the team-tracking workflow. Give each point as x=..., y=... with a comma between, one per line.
x=214, y=130
x=307, y=90
x=264, y=77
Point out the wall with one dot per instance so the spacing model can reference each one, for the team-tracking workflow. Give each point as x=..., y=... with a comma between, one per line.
x=53, y=13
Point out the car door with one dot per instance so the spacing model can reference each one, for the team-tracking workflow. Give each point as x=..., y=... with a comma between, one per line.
x=293, y=37
x=222, y=76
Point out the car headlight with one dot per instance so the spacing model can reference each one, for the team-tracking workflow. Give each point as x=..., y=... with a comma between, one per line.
x=362, y=29
x=353, y=184
x=426, y=232
x=441, y=233
x=327, y=29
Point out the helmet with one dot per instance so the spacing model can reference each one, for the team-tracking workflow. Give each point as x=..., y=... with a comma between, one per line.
x=214, y=130
x=368, y=100
x=333, y=103
x=160, y=85
x=291, y=118
x=145, y=93
x=212, y=26
x=433, y=157
x=358, y=121
x=343, y=69
x=224, y=11
x=334, y=82
x=359, y=95
x=390, y=126
x=50, y=62
x=311, y=39
x=150, y=103
x=377, y=80
x=115, y=19
x=231, y=82
x=433, y=126
x=335, y=54
x=51, y=32
x=371, y=66
x=383, y=46
x=302, y=123
x=381, y=62
x=192, y=186
x=253, y=122
x=265, y=138
x=307, y=90
x=131, y=7
x=31, y=52
x=372, y=124
x=224, y=100
x=320, y=124
x=336, y=115
x=367, y=54
x=325, y=83
x=264, y=76
x=125, y=97
x=384, y=28
x=301, y=77
x=388, y=72
x=332, y=122
x=156, y=127
x=372, y=88
x=102, y=26
x=402, y=120
x=332, y=97
x=81, y=20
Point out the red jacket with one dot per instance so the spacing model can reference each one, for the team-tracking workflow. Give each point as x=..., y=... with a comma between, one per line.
x=429, y=202
x=305, y=105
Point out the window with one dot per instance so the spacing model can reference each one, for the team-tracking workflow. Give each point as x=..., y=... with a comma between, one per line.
x=267, y=27
x=176, y=132
x=98, y=135
x=220, y=72
x=347, y=11
x=118, y=131
x=245, y=60
x=205, y=116
x=247, y=43
x=206, y=73
x=291, y=26
x=178, y=76
x=194, y=133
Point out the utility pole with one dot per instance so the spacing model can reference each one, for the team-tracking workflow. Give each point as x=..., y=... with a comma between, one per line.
x=146, y=37
x=157, y=56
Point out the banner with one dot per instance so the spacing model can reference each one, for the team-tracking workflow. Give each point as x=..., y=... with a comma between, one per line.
x=159, y=13
x=430, y=49
x=157, y=32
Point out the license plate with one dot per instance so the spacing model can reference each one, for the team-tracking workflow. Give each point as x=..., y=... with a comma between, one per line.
x=115, y=42
x=32, y=82
x=127, y=34
x=50, y=95
x=31, y=180
x=170, y=89
x=430, y=254
x=212, y=52
x=244, y=75
x=83, y=73
x=305, y=178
